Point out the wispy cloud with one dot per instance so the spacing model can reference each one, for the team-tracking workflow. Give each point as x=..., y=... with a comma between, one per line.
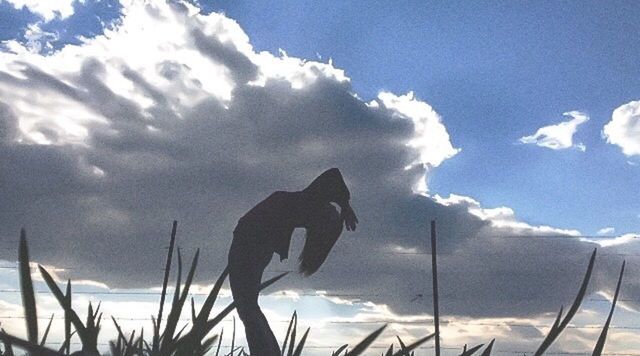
x=606, y=231
x=614, y=241
x=559, y=136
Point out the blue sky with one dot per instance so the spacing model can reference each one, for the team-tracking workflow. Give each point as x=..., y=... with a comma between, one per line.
x=107, y=139
x=495, y=72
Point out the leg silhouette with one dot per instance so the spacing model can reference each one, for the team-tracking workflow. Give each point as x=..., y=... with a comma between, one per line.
x=245, y=275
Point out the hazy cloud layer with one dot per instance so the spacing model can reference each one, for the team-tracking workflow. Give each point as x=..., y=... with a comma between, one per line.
x=624, y=128
x=173, y=115
x=559, y=136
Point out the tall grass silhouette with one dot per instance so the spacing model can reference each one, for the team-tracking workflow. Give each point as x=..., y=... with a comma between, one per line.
x=167, y=340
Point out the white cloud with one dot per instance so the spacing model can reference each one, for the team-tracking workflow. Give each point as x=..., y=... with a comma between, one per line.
x=173, y=115
x=624, y=128
x=48, y=9
x=431, y=139
x=614, y=241
x=168, y=81
x=606, y=231
x=502, y=217
x=559, y=136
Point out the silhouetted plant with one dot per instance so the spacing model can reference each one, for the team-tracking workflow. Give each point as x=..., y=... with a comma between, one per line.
x=172, y=341
x=558, y=326
x=597, y=351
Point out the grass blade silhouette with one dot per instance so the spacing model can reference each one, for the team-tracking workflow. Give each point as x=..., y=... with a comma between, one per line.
x=156, y=336
x=286, y=337
x=403, y=349
x=219, y=342
x=293, y=335
x=300, y=346
x=65, y=346
x=339, y=350
x=172, y=324
x=67, y=319
x=406, y=349
x=121, y=337
x=558, y=325
x=46, y=331
x=597, y=351
x=192, y=341
x=233, y=335
x=88, y=344
x=487, y=351
x=26, y=288
x=364, y=344
x=218, y=318
x=170, y=343
x=471, y=351
x=30, y=347
x=207, y=345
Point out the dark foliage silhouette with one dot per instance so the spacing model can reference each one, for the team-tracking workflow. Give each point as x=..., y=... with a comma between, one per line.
x=194, y=342
x=311, y=209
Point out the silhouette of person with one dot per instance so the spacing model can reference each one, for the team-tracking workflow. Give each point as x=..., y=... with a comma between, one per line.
x=267, y=228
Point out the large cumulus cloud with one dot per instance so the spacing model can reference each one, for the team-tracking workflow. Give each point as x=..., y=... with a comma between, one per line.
x=173, y=115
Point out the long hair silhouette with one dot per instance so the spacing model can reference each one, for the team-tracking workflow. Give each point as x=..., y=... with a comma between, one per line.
x=267, y=228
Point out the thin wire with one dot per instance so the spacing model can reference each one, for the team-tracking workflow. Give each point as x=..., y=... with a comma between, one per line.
x=415, y=296
x=384, y=321
x=276, y=294
x=384, y=347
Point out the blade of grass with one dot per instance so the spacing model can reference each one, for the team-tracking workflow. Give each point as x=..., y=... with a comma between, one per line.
x=26, y=288
x=46, y=331
x=471, y=351
x=207, y=306
x=389, y=351
x=219, y=342
x=30, y=347
x=293, y=335
x=75, y=320
x=176, y=309
x=156, y=335
x=193, y=339
x=300, y=346
x=120, y=333
x=406, y=349
x=233, y=335
x=286, y=337
x=65, y=345
x=403, y=349
x=597, y=351
x=364, y=344
x=487, y=351
x=218, y=318
x=340, y=349
x=207, y=344
x=67, y=319
x=172, y=320
x=556, y=329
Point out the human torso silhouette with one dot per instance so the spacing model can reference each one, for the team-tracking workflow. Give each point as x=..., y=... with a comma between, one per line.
x=267, y=229
x=272, y=221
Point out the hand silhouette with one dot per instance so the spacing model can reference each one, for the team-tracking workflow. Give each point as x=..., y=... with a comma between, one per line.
x=349, y=217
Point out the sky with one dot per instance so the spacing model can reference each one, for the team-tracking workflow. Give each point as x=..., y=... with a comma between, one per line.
x=498, y=120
